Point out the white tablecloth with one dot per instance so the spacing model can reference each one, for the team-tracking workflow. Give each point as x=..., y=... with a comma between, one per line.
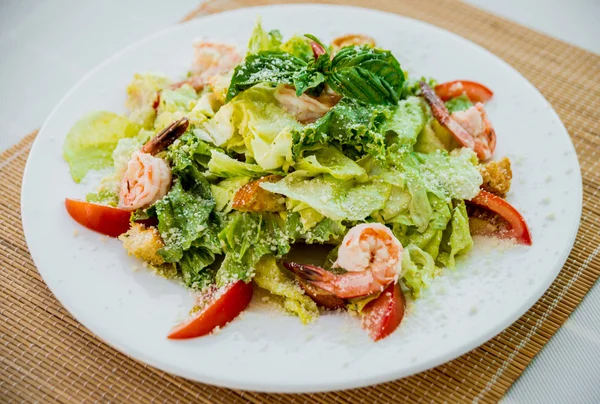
x=46, y=47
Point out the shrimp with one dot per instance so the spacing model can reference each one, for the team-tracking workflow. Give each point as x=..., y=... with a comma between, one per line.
x=352, y=40
x=210, y=60
x=471, y=128
x=305, y=108
x=147, y=178
x=370, y=253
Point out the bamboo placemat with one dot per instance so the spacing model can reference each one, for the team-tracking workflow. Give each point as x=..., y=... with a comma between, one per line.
x=46, y=355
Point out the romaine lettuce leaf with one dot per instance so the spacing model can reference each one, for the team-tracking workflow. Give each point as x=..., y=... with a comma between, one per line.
x=183, y=218
x=175, y=104
x=261, y=40
x=356, y=128
x=224, y=191
x=142, y=93
x=330, y=160
x=189, y=157
x=406, y=122
x=268, y=276
x=194, y=268
x=450, y=175
x=324, y=231
x=427, y=141
x=457, y=237
x=90, y=143
x=245, y=239
x=299, y=46
x=418, y=269
x=224, y=166
x=336, y=199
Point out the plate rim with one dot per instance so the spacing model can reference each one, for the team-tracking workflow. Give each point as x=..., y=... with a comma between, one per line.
x=407, y=371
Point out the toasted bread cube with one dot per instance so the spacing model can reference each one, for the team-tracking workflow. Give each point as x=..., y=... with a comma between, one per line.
x=497, y=176
x=252, y=198
x=143, y=242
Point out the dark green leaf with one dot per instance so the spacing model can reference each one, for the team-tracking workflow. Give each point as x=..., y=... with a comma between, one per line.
x=182, y=219
x=245, y=239
x=194, y=268
x=366, y=74
x=273, y=67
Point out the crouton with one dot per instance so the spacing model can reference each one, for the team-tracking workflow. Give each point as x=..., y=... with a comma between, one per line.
x=496, y=177
x=143, y=242
x=252, y=198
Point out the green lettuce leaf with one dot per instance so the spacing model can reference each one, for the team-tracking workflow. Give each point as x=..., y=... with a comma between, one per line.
x=261, y=40
x=90, y=143
x=357, y=129
x=221, y=165
x=189, y=157
x=330, y=160
x=460, y=103
x=194, y=267
x=336, y=199
x=182, y=219
x=450, y=175
x=428, y=141
x=245, y=239
x=324, y=231
x=268, y=276
x=299, y=46
x=175, y=104
x=406, y=122
x=418, y=269
x=142, y=93
x=224, y=191
x=456, y=238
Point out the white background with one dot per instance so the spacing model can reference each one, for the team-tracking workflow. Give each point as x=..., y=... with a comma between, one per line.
x=47, y=46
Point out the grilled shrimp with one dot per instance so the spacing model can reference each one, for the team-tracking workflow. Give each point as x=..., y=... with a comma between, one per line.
x=147, y=178
x=305, y=108
x=471, y=128
x=370, y=253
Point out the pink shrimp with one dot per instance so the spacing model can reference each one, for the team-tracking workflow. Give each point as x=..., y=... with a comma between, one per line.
x=305, y=108
x=471, y=128
x=369, y=252
x=147, y=178
x=210, y=60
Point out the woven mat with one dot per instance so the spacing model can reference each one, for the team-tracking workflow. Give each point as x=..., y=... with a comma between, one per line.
x=46, y=355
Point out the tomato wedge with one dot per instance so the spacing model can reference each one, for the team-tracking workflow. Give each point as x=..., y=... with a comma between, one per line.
x=104, y=219
x=518, y=227
x=227, y=303
x=475, y=91
x=383, y=315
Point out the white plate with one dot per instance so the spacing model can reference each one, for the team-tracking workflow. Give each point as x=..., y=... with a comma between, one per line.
x=268, y=351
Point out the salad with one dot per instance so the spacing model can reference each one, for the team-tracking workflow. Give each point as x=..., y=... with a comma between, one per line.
x=215, y=180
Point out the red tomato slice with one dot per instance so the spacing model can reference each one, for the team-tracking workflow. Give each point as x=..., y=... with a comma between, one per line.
x=383, y=315
x=104, y=219
x=475, y=91
x=518, y=227
x=226, y=305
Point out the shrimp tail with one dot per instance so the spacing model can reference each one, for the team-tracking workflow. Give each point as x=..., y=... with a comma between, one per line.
x=165, y=137
x=310, y=273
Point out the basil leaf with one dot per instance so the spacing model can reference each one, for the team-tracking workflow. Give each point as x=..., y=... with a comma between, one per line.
x=308, y=79
x=366, y=74
x=274, y=67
